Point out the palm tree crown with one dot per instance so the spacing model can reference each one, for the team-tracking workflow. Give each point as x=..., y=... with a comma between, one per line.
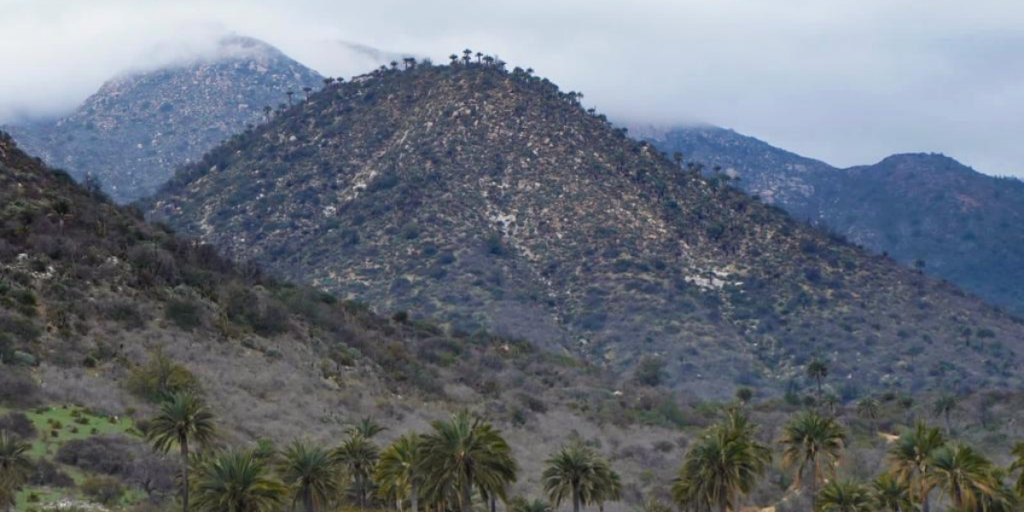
x=462, y=453
x=15, y=467
x=236, y=482
x=358, y=456
x=908, y=459
x=580, y=474
x=183, y=419
x=844, y=496
x=812, y=440
x=963, y=473
x=891, y=495
x=312, y=475
x=724, y=463
x=397, y=473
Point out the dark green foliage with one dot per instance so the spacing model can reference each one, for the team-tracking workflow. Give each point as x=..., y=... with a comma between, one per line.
x=184, y=313
x=104, y=489
x=161, y=377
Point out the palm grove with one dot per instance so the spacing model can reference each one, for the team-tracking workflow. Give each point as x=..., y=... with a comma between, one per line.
x=464, y=463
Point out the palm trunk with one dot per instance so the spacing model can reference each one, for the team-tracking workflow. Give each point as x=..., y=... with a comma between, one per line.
x=466, y=498
x=814, y=486
x=415, y=497
x=307, y=501
x=925, y=506
x=575, y=499
x=184, y=474
x=494, y=504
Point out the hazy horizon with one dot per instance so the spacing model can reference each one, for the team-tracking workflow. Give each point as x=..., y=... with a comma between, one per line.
x=848, y=83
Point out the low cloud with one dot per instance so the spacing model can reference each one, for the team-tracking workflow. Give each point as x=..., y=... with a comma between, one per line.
x=846, y=81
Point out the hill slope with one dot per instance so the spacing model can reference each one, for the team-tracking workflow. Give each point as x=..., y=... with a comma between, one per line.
x=964, y=226
x=138, y=128
x=491, y=199
x=90, y=294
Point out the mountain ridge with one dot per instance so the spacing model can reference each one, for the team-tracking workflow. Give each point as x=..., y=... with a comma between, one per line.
x=140, y=125
x=925, y=209
x=491, y=199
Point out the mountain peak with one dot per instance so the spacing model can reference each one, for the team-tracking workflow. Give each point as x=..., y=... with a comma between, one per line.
x=490, y=199
x=138, y=127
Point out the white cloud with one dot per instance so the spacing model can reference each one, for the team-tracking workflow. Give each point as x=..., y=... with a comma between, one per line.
x=847, y=81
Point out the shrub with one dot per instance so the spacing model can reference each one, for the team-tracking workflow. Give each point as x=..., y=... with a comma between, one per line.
x=17, y=388
x=18, y=424
x=104, y=489
x=46, y=473
x=650, y=371
x=161, y=377
x=184, y=313
x=110, y=455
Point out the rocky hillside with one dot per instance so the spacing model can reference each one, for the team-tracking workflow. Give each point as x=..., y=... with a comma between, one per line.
x=92, y=298
x=490, y=199
x=927, y=211
x=138, y=128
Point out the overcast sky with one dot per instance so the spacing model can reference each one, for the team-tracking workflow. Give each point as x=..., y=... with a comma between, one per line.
x=845, y=81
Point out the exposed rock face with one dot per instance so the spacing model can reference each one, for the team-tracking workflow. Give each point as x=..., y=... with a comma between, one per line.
x=137, y=128
x=927, y=209
x=492, y=200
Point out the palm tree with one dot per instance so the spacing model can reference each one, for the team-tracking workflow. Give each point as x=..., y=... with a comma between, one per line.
x=891, y=495
x=579, y=473
x=465, y=452
x=944, y=406
x=723, y=464
x=289, y=93
x=817, y=370
x=307, y=89
x=397, y=472
x=311, y=473
x=15, y=467
x=62, y=210
x=367, y=427
x=908, y=459
x=832, y=402
x=183, y=419
x=357, y=455
x=236, y=482
x=867, y=408
x=812, y=440
x=521, y=504
x=844, y=496
x=963, y=473
x=1018, y=464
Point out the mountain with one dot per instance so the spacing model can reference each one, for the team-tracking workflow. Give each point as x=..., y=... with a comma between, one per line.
x=137, y=128
x=98, y=307
x=924, y=210
x=490, y=199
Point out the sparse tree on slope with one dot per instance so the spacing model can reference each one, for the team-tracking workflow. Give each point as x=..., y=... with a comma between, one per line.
x=366, y=427
x=817, y=370
x=183, y=420
x=867, y=408
x=944, y=407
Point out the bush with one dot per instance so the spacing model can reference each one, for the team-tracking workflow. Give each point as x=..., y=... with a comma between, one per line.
x=17, y=388
x=109, y=455
x=184, y=313
x=18, y=424
x=104, y=489
x=650, y=371
x=46, y=473
x=161, y=377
